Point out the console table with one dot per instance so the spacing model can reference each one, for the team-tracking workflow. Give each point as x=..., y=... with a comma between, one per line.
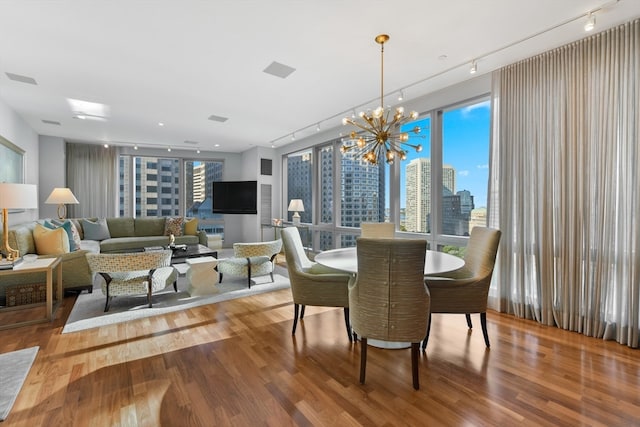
x=46, y=265
x=305, y=233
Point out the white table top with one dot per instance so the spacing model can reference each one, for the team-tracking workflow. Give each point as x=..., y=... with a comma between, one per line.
x=345, y=259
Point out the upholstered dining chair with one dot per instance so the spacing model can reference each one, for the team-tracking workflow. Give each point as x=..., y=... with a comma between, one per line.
x=388, y=298
x=133, y=273
x=251, y=260
x=383, y=230
x=311, y=283
x=465, y=291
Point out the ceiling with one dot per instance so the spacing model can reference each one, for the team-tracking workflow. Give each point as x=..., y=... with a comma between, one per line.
x=180, y=62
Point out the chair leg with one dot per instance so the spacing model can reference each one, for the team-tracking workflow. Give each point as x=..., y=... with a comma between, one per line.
x=175, y=286
x=249, y=273
x=469, y=324
x=296, y=308
x=346, y=322
x=363, y=359
x=220, y=279
x=483, y=322
x=426, y=338
x=106, y=304
x=149, y=287
x=302, y=311
x=415, y=348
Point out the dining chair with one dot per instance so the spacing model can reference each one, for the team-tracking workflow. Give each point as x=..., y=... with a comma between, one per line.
x=388, y=298
x=311, y=283
x=466, y=290
x=384, y=230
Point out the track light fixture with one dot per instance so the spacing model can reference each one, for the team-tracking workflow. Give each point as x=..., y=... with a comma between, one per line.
x=591, y=22
x=474, y=67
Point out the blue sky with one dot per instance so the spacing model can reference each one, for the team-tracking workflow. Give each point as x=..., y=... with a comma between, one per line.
x=465, y=147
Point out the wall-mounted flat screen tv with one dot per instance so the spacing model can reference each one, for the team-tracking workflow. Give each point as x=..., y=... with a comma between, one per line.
x=235, y=197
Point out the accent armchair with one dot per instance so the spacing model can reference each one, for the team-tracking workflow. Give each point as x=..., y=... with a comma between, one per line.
x=251, y=260
x=133, y=273
x=311, y=283
x=388, y=298
x=465, y=291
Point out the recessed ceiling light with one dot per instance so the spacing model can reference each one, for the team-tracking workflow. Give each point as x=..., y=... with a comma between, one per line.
x=160, y=124
x=86, y=110
x=216, y=145
x=21, y=79
x=279, y=70
x=220, y=119
x=51, y=122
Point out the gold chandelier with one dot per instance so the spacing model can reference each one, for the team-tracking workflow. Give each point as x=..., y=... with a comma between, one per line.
x=381, y=136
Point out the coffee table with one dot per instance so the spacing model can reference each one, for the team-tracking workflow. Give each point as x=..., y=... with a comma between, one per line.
x=180, y=256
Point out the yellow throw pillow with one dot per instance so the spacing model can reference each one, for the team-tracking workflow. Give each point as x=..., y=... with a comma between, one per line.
x=50, y=242
x=191, y=227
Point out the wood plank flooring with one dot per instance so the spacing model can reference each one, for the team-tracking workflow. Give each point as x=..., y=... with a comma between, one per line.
x=235, y=363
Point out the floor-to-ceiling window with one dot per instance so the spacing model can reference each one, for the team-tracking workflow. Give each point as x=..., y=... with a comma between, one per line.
x=441, y=190
x=154, y=186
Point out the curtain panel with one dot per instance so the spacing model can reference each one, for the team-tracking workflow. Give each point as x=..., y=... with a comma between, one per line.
x=92, y=172
x=565, y=187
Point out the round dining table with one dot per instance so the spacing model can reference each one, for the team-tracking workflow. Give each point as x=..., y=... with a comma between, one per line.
x=346, y=259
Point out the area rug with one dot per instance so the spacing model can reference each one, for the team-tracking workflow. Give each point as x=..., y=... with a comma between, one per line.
x=14, y=367
x=88, y=310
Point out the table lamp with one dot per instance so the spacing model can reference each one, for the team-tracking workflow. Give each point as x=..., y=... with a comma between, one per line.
x=61, y=197
x=15, y=196
x=296, y=206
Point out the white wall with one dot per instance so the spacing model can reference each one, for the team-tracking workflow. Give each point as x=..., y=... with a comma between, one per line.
x=15, y=130
x=52, y=173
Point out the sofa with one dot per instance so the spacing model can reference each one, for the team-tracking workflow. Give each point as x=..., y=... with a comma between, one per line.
x=124, y=234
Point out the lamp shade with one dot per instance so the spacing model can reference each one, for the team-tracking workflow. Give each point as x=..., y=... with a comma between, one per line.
x=61, y=195
x=296, y=205
x=18, y=196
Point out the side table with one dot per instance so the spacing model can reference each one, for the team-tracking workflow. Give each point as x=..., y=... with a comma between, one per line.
x=202, y=276
x=46, y=265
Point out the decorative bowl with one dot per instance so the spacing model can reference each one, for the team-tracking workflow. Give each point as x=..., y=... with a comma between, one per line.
x=30, y=257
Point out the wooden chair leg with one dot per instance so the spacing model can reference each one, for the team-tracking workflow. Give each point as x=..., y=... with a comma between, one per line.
x=426, y=338
x=483, y=323
x=469, y=324
x=363, y=359
x=296, y=308
x=415, y=348
x=346, y=322
x=249, y=273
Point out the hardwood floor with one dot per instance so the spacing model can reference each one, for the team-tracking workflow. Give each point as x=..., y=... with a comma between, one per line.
x=236, y=363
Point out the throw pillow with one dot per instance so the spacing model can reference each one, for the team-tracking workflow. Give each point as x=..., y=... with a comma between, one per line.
x=50, y=242
x=96, y=230
x=191, y=227
x=173, y=226
x=70, y=228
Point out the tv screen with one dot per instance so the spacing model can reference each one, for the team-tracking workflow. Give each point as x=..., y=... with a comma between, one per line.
x=235, y=197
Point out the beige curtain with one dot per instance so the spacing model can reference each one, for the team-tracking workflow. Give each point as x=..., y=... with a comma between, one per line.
x=566, y=188
x=92, y=173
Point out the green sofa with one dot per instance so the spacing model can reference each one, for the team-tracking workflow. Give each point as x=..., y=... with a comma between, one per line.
x=127, y=234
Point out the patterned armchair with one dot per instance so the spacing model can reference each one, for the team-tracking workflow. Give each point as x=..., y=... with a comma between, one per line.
x=133, y=273
x=251, y=260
